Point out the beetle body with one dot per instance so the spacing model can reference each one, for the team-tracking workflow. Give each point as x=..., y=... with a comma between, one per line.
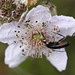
x=57, y=45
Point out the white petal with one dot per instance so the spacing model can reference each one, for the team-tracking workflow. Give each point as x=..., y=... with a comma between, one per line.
x=39, y=13
x=58, y=59
x=8, y=34
x=13, y=55
x=65, y=23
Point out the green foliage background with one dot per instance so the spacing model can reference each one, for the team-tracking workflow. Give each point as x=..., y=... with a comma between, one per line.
x=42, y=66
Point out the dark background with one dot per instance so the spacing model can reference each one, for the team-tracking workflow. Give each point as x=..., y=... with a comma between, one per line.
x=42, y=66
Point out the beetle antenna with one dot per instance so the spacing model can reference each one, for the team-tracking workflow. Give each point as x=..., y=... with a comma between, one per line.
x=63, y=37
x=57, y=51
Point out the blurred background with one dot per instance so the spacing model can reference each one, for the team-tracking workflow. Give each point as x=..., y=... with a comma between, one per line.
x=42, y=66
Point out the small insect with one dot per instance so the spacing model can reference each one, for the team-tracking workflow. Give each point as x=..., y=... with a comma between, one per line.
x=47, y=1
x=59, y=44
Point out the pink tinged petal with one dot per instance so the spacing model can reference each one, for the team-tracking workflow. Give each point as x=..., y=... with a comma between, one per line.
x=39, y=13
x=58, y=59
x=13, y=55
x=65, y=23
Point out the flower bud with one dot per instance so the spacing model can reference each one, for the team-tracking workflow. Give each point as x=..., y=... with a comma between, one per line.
x=31, y=2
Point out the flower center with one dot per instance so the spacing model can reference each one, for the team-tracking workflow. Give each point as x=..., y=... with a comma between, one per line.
x=34, y=36
x=37, y=36
x=37, y=41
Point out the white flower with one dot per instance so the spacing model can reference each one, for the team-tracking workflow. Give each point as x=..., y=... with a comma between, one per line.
x=21, y=1
x=26, y=39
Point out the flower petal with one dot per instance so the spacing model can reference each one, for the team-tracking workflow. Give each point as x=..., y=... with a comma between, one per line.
x=65, y=23
x=40, y=14
x=58, y=59
x=8, y=32
x=13, y=55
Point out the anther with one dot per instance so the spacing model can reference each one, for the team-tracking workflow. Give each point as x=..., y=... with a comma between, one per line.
x=14, y=31
x=18, y=31
x=23, y=38
x=17, y=36
x=23, y=54
x=20, y=46
x=28, y=21
x=14, y=41
x=26, y=33
x=36, y=21
x=18, y=26
x=22, y=50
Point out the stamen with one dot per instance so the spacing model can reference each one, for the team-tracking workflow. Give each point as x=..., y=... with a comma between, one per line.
x=17, y=35
x=36, y=21
x=22, y=50
x=18, y=26
x=14, y=41
x=20, y=46
x=37, y=38
x=23, y=54
x=23, y=38
x=18, y=31
x=14, y=31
